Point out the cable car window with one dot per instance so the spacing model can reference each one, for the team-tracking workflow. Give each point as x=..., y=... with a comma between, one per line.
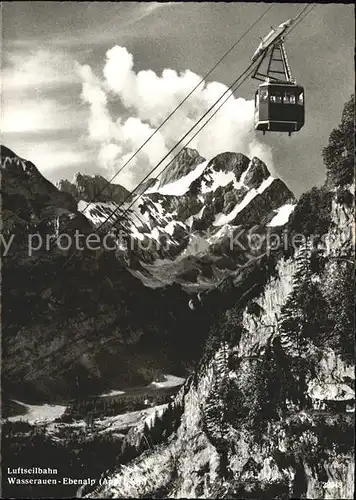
x=301, y=98
x=263, y=95
x=289, y=99
x=278, y=98
x=272, y=98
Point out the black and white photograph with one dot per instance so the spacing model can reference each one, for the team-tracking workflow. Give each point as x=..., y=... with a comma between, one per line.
x=177, y=241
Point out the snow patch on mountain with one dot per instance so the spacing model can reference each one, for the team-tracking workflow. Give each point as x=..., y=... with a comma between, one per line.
x=217, y=179
x=169, y=228
x=154, y=188
x=221, y=219
x=225, y=230
x=282, y=215
x=182, y=185
x=38, y=413
x=189, y=221
x=200, y=213
x=196, y=245
x=98, y=212
x=170, y=381
x=112, y=393
x=130, y=419
x=135, y=233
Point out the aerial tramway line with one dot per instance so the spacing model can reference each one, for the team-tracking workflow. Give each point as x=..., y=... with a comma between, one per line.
x=279, y=101
x=266, y=114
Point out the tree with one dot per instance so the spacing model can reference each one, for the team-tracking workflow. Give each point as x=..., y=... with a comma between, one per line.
x=339, y=154
x=312, y=215
x=315, y=323
x=340, y=294
x=156, y=429
x=266, y=395
x=167, y=420
x=304, y=317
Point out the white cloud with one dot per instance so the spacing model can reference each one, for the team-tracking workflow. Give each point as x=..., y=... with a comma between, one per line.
x=135, y=133
x=108, y=155
x=37, y=69
x=149, y=99
x=31, y=115
x=101, y=128
x=50, y=156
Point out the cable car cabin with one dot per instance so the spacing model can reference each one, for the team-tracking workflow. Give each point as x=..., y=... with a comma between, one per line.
x=279, y=107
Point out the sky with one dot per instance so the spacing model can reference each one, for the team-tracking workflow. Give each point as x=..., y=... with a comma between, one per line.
x=84, y=84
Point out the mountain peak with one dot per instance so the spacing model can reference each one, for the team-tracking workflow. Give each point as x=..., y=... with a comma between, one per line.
x=27, y=194
x=185, y=162
x=257, y=173
x=7, y=153
x=93, y=188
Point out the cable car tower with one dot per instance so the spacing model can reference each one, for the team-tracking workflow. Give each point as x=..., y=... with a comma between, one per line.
x=279, y=101
x=277, y=49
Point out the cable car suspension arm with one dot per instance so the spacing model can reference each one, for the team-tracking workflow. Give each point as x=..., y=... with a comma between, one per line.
x=286, y=66
x=272, y=72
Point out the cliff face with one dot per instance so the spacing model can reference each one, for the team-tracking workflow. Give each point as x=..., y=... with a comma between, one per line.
x=296, y=440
